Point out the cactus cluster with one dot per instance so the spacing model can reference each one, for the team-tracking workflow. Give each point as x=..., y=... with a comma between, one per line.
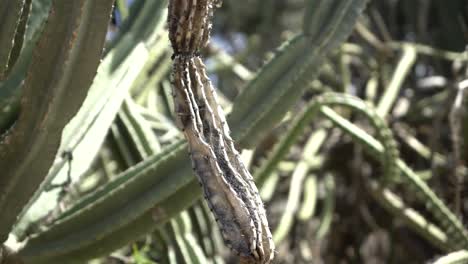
x=92, y=161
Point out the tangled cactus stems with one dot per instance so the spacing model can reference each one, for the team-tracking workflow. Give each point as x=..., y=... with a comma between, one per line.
x=227, y=184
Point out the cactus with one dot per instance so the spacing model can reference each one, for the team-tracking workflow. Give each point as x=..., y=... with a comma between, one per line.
x=73, y=104
x=453, y=258
x=51, y=96
x=12, y=27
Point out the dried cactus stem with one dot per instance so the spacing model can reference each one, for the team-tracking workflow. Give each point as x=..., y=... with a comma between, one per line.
x=228, y=186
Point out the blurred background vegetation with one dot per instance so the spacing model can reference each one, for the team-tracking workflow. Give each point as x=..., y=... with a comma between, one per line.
x=406, y=59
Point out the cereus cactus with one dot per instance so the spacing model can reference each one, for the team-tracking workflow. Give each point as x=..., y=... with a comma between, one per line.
x=63, y=65
x=77, y=48
x=104, y=110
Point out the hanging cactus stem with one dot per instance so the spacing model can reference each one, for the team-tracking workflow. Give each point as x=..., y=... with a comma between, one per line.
x=227, y=185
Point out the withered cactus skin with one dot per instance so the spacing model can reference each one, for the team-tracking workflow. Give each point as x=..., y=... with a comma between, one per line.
x=227, y=184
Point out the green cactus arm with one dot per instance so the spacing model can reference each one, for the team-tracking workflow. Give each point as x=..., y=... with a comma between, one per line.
x=186, y=226
x=176, y=232
x=10, y=17
x=39, y=13
x=199, y=226
x=139, y=130
x=52, y=95
x=384, y=133
x=19, y=35
x=284, y=59
x=268, y=186
x=171, y=254
x=410, y=217
x=186, y=242
x=86, y=131
x=10, y=88
x=448, y=222
x=35, y=23
x=204, y=229
x=123, y=147
x=134, y=12
x=315, y=17
x=405, y=133
x=309, y=202
x=125, y=58
x=431, y=51
x=326, y=217
x=114, y=228
x=458, y=257
x=161, y=246
x=155, y=69
x=311, y=148
x=391, y=92
x=259, y=106
x=145, y=17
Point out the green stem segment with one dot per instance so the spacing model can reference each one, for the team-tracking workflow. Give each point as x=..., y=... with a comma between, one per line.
x=63, y=66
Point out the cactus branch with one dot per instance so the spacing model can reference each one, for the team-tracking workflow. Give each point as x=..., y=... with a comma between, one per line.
x=74, y=37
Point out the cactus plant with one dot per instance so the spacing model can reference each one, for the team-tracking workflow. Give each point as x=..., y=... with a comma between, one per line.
x=92, y=161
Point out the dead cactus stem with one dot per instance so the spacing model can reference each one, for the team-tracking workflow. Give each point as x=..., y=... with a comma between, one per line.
x=227, y=184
